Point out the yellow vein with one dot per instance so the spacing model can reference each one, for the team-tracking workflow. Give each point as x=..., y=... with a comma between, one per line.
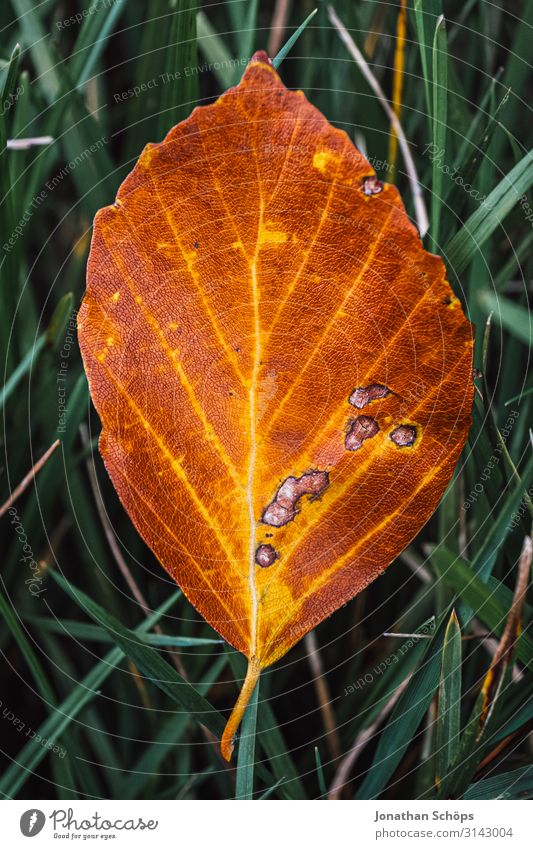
x=178, y=368
x=352, y=480
x=303, y=264
x=390, y=342
x=253, y=435
x=204, y=511
x=207, y=160
x=335, y=318
x=194, y=276
x=199, y=569
x=324, y=576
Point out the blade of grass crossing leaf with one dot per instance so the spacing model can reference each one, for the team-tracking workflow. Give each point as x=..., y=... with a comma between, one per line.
x=28, y=759
x=287, y=47
x=449, y=703
x=244, y=780
x=439, y=123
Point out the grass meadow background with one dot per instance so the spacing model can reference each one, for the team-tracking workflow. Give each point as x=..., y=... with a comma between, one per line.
x=96, y=641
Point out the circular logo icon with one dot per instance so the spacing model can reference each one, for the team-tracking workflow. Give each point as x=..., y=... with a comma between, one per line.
x=32, y=822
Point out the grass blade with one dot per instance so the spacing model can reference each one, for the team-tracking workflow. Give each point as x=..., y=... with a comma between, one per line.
x=244, y=781
x=439, y=123
x=449, y=704
x=287, y=47
x=514, y=318
x=462, y=247
x=148, y=661
x=51, y=729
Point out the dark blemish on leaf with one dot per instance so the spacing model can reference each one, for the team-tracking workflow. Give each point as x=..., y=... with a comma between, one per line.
x=447, y=300
x=284, y=506
x=238, y=350
x=265, y=555
x=197, y=244
x=363, y=395
x=362, y=428
x=372, y=186
x=403, y=436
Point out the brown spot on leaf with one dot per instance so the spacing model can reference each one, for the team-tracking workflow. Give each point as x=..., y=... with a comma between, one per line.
x=265, y=555
x=363, y=395
x=372, y=186
x=403, y=436
x=284, y=506
x=362, y=428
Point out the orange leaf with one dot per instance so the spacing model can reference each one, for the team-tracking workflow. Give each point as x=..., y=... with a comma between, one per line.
x=283, y=374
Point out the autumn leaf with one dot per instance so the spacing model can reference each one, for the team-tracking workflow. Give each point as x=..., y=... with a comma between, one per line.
x=283, y=374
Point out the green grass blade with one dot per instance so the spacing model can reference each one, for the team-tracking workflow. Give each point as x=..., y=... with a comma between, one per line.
x=271, y=741
x=489, y=601
x=147, y=766
x=51, y=729
x=426, y=13
x=287, y=47
x=439, y=123
x=506, y=785
x=404, y=720
x=215, y=52
x=462, y=247
x=449, y=703
x=97, y=25
x=512, y=317
x=244, y=780
x=94, y=633
x=322, y=789
x=148, y=661
x=180, y=91
x=22, y=369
